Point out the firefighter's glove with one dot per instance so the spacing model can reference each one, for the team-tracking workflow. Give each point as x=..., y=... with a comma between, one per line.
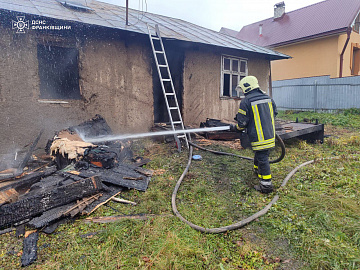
x=235, y=128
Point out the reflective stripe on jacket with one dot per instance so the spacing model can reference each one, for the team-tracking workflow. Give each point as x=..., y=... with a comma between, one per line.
x=257, y=113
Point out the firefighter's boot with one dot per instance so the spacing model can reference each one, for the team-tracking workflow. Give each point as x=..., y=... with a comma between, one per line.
x=264, y=187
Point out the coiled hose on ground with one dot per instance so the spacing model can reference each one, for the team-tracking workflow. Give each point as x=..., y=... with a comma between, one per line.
x=245, y=221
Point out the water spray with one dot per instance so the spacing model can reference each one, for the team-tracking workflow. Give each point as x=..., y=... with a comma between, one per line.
x=150, y=134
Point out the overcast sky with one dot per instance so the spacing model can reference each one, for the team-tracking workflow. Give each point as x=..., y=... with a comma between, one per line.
x=214, y=14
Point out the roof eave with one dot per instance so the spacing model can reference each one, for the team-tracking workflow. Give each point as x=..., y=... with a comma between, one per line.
x=275, y=56
x=321, y=35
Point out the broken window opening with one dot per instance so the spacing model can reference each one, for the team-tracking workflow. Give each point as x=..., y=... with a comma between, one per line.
x=233, y=69
x=58, y=72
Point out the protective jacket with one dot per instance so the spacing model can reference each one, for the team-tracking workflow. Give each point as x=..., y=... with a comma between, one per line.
x=257, y=114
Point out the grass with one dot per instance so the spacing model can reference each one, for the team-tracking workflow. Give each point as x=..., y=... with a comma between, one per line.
x=314, y=225
x=349, y=118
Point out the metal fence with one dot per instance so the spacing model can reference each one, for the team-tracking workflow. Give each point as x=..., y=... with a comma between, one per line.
x=317, y=93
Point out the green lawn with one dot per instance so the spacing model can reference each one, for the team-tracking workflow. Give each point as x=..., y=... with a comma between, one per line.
x=314, y=225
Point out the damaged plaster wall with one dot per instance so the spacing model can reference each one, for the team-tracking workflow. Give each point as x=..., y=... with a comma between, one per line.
x=22, y=115
x=202, y=85
x=115, y=81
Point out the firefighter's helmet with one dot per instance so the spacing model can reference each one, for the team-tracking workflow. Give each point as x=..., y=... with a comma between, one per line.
x=248, y=84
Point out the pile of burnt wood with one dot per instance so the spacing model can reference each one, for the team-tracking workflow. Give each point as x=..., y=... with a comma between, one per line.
x=78, y=179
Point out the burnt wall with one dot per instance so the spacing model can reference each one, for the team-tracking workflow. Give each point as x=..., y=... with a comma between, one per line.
x=116, y=82
x=202, y=84
x=114, y=78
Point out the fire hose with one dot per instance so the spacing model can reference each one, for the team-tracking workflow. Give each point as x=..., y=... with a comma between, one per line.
x=234, y=226
x=258, y=214
x=243, y=222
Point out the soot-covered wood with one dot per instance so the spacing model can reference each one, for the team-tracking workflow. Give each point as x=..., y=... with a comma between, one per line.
x=43, y=201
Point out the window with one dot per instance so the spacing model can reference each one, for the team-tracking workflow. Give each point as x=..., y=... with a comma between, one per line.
x=58, y=72
x=356, y=24
x=355, y=59
x=232, y=71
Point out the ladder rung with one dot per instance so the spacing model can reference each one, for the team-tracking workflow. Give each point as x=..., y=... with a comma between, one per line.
x=154, y=37
x=177, y=122
x=162, y=65
x=173, y=108
x=166, y=80
x=170, y=94
x=159, y=52
x=181, y=136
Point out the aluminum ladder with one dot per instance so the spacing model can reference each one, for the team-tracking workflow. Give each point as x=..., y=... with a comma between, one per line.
x=167, y=86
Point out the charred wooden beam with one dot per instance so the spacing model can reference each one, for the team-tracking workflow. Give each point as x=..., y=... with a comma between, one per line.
x=29, y=153
x=29, y=248
x=37, y=204
x=48, y=183
x=117, y=176
x=54, y=214
x=48, y=216
x=27, y=181
x=94, y=127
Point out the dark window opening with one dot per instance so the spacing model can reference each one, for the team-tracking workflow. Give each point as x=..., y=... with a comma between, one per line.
x=226, y=87
x=58, y=72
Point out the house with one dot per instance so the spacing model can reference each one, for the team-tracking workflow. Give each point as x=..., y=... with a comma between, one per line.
x=63, y=62
x=322, y=39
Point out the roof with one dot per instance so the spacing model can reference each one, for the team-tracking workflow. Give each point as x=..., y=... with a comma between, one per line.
x=320, y=19
x=228, y=31
x=113, y=16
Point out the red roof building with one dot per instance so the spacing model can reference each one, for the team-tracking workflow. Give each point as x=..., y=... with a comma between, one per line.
x=322, y=39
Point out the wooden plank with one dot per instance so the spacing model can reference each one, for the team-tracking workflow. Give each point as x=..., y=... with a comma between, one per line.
x=8, y=196
x=111, y=219
x=117, y=176
x=56, y=213
x=28, y=180
x=123, y=201
x=39, y=203
x=110, y=193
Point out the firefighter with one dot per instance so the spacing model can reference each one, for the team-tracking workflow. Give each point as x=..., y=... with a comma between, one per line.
x=256, y=116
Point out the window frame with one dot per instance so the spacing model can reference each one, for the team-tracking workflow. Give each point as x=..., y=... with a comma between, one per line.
x=230, y=72
x=356, y=24
x=354, y=63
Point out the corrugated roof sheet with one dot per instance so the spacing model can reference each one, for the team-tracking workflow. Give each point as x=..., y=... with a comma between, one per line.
x=228, y=31
x=113, y=16
x=331, y=16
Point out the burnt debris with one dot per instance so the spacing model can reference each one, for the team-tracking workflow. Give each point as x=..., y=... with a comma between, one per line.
x=79, y=178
